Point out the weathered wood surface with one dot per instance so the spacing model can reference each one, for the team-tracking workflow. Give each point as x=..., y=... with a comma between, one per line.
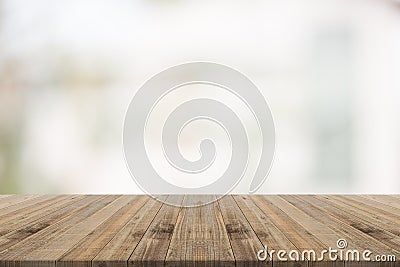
x=122, y=230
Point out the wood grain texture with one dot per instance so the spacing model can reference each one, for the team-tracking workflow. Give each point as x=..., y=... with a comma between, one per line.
x=126, y=230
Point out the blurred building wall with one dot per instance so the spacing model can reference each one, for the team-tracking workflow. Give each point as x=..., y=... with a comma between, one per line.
x=328, y=70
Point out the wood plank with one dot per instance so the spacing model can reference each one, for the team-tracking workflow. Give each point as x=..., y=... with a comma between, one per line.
x=119, y=230
x=13, y=213
x=200, y=235
x=86, y=250
x=245, y=243
x=15, y=254
x=118, y=251
x=374, y=216
x=384, y=199
x=334, y=208
x=54, y=249
x=16, y=202
x=268, y=233
x=373, y=205
x=15, y=199
x=325, y=234
x=296, y=233
x=389, y=212
x=153, y=247
x=356, y=239
x=15, y=220
x=25, y=227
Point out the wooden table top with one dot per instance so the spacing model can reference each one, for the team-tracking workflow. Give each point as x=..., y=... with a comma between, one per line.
x=126, y=230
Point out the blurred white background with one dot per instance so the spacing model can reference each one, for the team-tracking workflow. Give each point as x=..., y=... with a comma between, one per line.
x=330, y=71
